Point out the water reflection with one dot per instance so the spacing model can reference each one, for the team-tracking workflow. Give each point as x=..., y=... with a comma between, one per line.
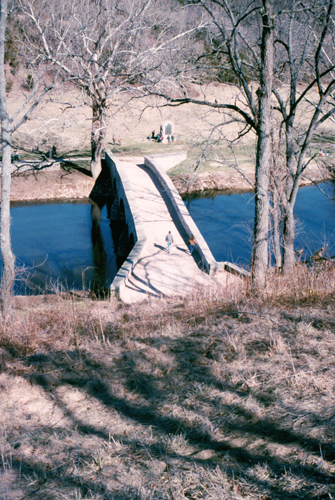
x=99, y=253
x=62, y=245
x=226, y=222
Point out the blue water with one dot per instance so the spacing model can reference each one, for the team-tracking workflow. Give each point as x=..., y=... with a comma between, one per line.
x=53, y=245
x=226, y=222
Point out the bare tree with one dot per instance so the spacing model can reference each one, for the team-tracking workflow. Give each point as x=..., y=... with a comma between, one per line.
x=263, y=155
x=46, y=78
x=5, y=241
x=238, y=42
x=305, y=84
x=279, y=58
x=303, y=100
x=109, y=47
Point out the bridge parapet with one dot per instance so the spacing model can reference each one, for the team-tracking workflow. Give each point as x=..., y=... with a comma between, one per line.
x=124, y=193
x=209, y=262
x=184, y=217
x=168, y=161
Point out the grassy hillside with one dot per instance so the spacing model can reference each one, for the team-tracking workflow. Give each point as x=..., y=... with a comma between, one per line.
x=64, y=121
x=224, y=396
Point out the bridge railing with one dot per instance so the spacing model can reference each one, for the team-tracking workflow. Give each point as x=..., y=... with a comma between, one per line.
x=134, y=221
x=209, y=262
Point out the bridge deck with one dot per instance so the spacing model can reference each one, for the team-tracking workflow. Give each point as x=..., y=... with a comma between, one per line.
x=159, y=273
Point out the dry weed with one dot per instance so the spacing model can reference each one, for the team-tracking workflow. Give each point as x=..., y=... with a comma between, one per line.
x=313, y=283
x=170, y=400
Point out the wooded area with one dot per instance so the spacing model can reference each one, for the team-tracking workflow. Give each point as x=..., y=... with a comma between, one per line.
x=278, y=58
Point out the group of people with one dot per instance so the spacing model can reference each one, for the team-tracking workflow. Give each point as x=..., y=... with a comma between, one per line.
x=321, y=153
x=154, y=137
x=116, y=141
x=159, y=137
x=191, y=242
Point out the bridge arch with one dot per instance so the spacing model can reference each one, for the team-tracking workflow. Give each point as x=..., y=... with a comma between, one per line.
x=131, y=240
x=121, y=208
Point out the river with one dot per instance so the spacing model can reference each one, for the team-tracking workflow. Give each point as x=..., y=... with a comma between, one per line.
x=57, y=246
x=226, y=222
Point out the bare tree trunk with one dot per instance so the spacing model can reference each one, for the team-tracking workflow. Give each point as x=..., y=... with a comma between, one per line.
x=98, y=135
x=263, y=157
x=8, y=259
x=276, y=229
x=288, y=240
x=292, y=184
x=288, y=228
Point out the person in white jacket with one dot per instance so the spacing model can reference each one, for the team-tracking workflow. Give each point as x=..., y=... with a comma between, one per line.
x=169, y=240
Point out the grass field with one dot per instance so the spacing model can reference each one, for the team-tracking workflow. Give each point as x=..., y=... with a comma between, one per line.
x=220, y=396
x=68, y=128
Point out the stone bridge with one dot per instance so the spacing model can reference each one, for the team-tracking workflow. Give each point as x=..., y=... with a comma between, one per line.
x=145, y=205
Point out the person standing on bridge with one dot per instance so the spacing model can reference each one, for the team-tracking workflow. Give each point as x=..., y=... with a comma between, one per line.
x=191, y=243
x=169, y=240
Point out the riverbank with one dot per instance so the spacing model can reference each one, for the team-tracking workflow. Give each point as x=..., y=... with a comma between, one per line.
x=232, y=181
x=74, y=185
x=212, y=397
x=51, y=185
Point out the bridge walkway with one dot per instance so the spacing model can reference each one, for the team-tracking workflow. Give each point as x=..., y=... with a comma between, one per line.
x=158, y=273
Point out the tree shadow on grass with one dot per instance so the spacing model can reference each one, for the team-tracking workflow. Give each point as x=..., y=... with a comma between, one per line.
x=176, y=400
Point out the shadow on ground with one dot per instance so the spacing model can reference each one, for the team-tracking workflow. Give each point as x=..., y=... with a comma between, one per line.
x=178, y=405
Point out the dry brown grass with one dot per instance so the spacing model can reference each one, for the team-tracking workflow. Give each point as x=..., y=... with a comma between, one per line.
x=212, y=397
x=69, y=129
x=312, y=283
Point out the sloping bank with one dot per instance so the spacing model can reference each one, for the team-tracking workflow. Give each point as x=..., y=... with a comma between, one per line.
x=232, y=181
